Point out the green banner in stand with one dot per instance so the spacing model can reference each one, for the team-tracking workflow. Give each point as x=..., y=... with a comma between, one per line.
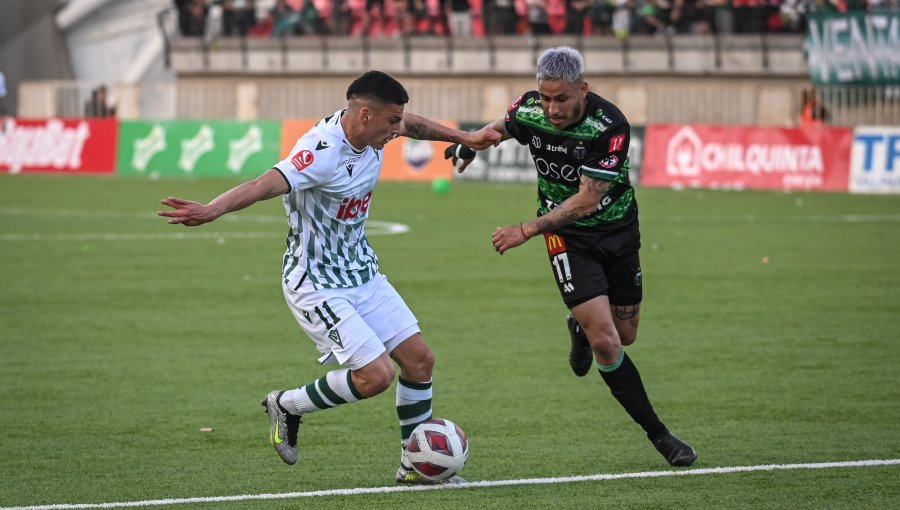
x=197, y=148
x=857, y=48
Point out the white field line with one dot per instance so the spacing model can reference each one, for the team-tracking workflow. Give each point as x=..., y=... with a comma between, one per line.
x=244, y=217
x=751, y=218
x=171, y=236
x=495, y=483
x=373, y=227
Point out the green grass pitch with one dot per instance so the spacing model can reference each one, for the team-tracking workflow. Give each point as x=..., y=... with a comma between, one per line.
x=770, y=334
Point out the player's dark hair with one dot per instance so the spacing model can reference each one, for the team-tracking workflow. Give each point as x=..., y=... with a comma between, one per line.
x=379, y=86
x=562, y=63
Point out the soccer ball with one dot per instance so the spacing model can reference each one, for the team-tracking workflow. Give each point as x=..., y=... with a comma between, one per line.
x=438, y=449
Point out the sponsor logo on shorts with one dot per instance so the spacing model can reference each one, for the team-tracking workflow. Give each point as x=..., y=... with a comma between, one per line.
x=555, y=244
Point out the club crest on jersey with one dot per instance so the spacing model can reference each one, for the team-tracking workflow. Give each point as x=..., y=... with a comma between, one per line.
x=609, y=161
x=302, y=160
x=352, y=207
x=536, y=141
x=579, y=152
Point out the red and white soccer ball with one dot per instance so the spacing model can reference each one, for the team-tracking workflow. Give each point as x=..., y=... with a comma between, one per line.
x=438, y=449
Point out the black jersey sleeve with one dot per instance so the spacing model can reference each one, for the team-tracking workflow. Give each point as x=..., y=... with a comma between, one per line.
x=608, y=156
x=510, y=122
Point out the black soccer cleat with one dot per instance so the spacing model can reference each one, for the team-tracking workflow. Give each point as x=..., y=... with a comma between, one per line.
x=676, y=451
x=581, y=357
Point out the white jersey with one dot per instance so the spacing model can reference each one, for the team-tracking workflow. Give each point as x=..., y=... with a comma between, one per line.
x=327, y=205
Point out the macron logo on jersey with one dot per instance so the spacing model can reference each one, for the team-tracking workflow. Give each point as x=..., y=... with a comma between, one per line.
x=352, y=207
x=302, y=160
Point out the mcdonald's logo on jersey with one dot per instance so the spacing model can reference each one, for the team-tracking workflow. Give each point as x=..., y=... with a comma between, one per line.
x=555, y=244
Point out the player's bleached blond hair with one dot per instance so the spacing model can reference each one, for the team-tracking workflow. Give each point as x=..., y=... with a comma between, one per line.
x=561, y=63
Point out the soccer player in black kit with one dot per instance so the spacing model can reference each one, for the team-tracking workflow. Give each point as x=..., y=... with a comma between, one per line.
x=588, y=217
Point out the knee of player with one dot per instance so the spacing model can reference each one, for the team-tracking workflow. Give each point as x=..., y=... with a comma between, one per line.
x=628, y=337
x=376, y=381
x=426, y=361
x=421, y=367
x=605, y=343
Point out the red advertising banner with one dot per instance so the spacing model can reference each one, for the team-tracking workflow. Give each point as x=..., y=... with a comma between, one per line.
x=739, y=157
x=58, y=145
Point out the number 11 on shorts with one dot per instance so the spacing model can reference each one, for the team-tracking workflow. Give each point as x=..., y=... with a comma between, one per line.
x=334, y=318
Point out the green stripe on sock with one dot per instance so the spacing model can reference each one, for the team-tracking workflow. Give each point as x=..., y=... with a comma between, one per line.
x=353, y=386
x=610, y=368
x=315, y=397
x=412, y=410
x=406, y=431
x=329, y=393
x=414, y=385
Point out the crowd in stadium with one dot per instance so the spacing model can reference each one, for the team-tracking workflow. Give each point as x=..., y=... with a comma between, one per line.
x=621, y=18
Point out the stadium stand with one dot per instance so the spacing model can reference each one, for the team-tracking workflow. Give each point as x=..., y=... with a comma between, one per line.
x=708, y=62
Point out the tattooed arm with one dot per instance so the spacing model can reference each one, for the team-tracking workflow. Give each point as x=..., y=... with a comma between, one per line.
x=421, y=128
x=577, y=206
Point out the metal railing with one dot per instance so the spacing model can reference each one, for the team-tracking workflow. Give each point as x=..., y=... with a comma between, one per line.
x=862, y=105
x=780, y=55
x=724, y=101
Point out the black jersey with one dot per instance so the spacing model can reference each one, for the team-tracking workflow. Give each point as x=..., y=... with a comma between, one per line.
x=596, y=146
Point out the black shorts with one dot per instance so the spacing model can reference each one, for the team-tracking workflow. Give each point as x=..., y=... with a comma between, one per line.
x=588, y=264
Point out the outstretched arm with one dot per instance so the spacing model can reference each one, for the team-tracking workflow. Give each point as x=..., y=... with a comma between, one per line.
x=189, y=213
x=421, y=128
x=462, y=155
x=577, y=206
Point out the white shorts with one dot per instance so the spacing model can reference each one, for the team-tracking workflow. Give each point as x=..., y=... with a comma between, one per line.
x=352, y=326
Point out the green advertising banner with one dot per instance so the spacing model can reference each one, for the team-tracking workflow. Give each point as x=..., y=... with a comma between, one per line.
x=198, y=148
x=856, y=48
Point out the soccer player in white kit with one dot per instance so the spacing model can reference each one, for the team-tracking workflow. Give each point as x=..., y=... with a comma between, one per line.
x=330, y=276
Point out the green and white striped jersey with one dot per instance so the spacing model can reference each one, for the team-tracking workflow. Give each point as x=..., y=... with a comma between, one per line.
x=327, y=205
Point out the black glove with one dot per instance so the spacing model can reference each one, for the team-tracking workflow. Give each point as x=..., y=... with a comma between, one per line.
x=459, y=151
